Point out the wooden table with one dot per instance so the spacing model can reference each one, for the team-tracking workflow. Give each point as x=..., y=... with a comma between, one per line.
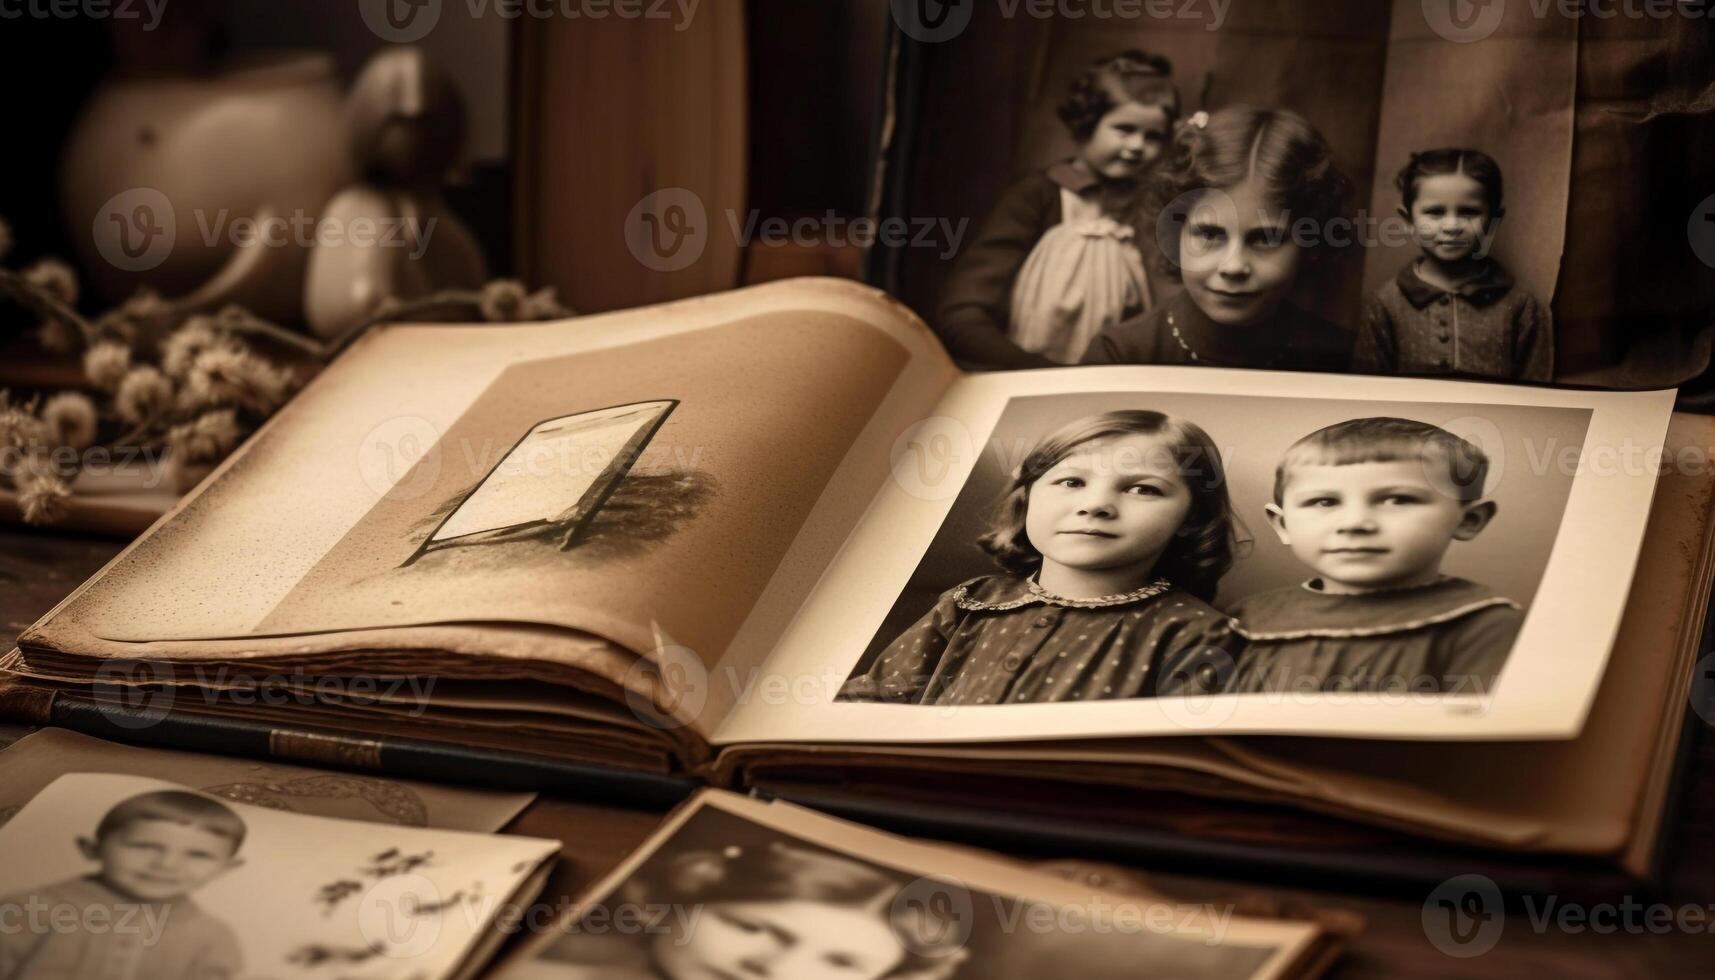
x=38, y=568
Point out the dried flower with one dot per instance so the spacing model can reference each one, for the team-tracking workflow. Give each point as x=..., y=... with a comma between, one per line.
x=6, y=239
x=55, y=278
x=43, y=496
x=57, y=335
x=180, y=348
x=503, y=301
x=115, y=326
x=208, y=438
x=19, y=428
x=143, y=394
x=106, y=364
x=544, y=304
x=71, y=419
x=229, y=374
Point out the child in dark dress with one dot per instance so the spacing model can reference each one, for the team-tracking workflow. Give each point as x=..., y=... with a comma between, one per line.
x=1455, y=310
x=1229, y=195
x=1372, y=505
x=1113, y=537
x=1060, y=257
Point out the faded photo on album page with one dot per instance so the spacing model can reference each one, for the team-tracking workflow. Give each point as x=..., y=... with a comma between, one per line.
x=638, y=476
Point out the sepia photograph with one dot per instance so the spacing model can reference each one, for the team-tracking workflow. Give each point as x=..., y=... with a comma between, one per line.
x=1259, y=185
x=122, y=875
x=1213, y=544
x=739, y=888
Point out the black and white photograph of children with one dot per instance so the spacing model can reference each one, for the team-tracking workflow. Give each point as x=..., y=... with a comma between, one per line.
x=722, y=895
x=122, y=876
x=1283, y=187
x=1134, y=545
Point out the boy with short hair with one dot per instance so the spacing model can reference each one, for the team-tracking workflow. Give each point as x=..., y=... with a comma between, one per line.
x=1372, y=505
x=133, y=918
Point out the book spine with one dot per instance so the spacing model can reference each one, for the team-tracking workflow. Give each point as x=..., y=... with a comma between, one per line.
x=398, y=757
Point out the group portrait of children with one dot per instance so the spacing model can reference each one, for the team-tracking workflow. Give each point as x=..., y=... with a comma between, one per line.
x=1170, y=237
x=1108, y=544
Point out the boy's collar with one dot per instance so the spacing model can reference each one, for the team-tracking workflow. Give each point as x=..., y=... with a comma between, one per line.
x=997, y=593
x=1491, y=285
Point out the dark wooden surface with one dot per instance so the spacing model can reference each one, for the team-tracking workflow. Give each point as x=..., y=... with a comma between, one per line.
x=37, y=569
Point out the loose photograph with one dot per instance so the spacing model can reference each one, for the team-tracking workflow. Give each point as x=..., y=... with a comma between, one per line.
x=129, y=877
x=737, y=888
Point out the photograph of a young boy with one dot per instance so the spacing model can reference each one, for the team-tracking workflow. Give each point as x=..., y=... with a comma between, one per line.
x=1455, y=309
x=151, y=852
x=1372, y=506
x=1111, y=538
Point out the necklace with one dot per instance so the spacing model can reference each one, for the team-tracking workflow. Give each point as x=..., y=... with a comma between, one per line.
x=1179, y=338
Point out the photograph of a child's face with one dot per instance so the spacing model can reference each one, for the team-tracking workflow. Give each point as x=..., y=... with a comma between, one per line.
x=121, y=875
x=724, y=897
x=1265, y=186
x=1133, y=545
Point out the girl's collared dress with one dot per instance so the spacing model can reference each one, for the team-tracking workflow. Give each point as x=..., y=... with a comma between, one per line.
x=1451, y=636
x=1002, y=639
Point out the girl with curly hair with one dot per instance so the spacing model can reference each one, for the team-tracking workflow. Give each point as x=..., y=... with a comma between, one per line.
x=1059, y=257
x=1112, y=538
x=1245, y=201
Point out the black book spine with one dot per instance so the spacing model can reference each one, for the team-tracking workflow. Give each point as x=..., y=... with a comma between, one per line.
x=400, y=757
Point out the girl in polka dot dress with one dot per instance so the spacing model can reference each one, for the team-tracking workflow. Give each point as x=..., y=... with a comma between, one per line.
x=1113, y=537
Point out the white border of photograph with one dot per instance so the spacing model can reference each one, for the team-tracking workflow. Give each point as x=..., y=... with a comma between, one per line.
x=1545, y=691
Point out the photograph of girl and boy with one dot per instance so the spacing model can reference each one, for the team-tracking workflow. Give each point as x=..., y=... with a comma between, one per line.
x=1162, y=545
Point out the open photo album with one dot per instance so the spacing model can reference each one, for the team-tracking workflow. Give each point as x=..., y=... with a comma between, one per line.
x=774, y=539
